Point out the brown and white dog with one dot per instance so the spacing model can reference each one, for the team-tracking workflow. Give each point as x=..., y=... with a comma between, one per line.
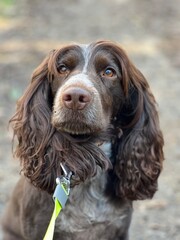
x=91, y=109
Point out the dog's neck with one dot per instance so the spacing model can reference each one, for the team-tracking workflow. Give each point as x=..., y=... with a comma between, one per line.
x=106, y=148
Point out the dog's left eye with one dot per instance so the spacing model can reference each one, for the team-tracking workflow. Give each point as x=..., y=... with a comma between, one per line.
x=109, y=72
x=63, y=69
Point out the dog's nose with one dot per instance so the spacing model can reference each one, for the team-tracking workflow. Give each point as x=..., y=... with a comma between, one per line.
x=76, y=98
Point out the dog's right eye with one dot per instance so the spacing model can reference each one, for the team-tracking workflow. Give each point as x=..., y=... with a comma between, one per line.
x=63, y=69
x=108, y=73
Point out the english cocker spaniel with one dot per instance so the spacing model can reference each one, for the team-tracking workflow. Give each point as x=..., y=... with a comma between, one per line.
x=91, y=109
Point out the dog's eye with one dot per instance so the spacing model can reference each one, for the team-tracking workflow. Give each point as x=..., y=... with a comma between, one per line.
x=63, y=69
x=109, y=72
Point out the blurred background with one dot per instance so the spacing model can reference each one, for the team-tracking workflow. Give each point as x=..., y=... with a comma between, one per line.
x=149, y=30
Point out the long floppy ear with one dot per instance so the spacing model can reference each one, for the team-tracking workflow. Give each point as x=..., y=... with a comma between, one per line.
x=138, y=150
x=31, y=123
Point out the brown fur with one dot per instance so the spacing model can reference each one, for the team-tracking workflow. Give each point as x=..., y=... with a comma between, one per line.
x=122, y=110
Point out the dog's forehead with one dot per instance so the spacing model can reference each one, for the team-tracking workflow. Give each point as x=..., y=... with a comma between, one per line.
x=84, y=47
x=89, y=54
x=101, y=50
x=86, y=51
x=90, y=51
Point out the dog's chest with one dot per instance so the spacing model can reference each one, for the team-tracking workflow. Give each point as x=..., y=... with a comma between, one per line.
x=89, y=208
x=89, y=212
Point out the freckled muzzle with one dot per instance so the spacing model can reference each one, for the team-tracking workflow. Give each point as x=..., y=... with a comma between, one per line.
x=78, y=108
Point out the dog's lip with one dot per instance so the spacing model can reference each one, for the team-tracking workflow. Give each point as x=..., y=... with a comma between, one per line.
x=77, y=136
x=80, y=137
x=75, y=131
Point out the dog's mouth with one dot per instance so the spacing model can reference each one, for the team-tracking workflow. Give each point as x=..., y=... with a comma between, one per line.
x=77, y=132
x=82, y=134
x=80, y=137
x=77, y=137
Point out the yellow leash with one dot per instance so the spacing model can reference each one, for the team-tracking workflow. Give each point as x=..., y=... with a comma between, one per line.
x=50, y=231
x=60, y=197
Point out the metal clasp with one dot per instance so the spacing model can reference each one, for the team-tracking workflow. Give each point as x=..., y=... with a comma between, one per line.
x=65, y=179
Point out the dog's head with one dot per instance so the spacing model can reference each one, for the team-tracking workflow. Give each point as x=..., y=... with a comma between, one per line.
x=81, y=94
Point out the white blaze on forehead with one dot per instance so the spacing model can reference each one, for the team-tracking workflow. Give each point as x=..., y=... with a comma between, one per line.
x=87, y=54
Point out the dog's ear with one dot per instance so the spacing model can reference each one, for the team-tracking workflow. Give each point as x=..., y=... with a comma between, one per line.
x=31, y=123
x=138, y=145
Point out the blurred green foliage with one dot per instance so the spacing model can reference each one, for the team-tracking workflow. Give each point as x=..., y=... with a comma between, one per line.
x=6, y=3
x=6, y=6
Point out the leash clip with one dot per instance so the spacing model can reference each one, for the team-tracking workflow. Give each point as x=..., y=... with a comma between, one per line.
x=65, y=179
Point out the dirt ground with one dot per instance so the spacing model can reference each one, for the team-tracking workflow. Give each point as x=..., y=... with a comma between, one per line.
x=148, y=30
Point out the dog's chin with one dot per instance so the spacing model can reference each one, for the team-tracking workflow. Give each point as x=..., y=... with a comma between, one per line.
x=77, y=134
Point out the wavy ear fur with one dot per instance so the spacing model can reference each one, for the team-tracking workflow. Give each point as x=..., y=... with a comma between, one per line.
x=138, y=151
x=31, y=123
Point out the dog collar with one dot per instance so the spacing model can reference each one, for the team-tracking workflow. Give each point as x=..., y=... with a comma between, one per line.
x=60, y=197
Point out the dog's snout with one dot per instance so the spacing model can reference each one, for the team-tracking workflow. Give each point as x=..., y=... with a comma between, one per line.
x=76, y=98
